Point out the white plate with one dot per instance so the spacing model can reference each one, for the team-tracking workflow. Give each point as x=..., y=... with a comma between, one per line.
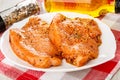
x=106, y=50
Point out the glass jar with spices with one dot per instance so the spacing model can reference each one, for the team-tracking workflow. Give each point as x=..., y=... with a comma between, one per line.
x=20, y=11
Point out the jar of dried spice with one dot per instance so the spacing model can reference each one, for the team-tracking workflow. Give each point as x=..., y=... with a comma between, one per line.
x=18, y=12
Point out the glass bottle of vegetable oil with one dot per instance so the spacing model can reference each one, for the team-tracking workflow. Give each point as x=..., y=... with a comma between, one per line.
x=94, y=8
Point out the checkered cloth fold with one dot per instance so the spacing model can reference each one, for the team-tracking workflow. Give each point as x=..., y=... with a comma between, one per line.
x=104, y=71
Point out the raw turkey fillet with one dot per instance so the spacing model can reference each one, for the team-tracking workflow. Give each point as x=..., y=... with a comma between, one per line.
x=78, y=39
x=43, y=45
x=32, y=44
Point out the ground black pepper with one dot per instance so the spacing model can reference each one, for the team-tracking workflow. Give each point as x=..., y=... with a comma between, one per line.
x=20, y=11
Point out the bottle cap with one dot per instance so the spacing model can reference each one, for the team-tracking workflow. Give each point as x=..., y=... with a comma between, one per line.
x=2, y=25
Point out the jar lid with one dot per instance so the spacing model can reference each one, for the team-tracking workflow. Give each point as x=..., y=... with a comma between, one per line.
x=2, y=25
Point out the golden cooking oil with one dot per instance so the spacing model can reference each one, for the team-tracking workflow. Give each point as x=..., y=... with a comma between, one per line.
x=94, y=8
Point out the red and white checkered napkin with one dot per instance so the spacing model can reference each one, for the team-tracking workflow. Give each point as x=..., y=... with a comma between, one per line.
x=101, y=72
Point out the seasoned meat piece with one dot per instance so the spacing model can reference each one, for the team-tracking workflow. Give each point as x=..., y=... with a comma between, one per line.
x=78, y=39
x=32, y=44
